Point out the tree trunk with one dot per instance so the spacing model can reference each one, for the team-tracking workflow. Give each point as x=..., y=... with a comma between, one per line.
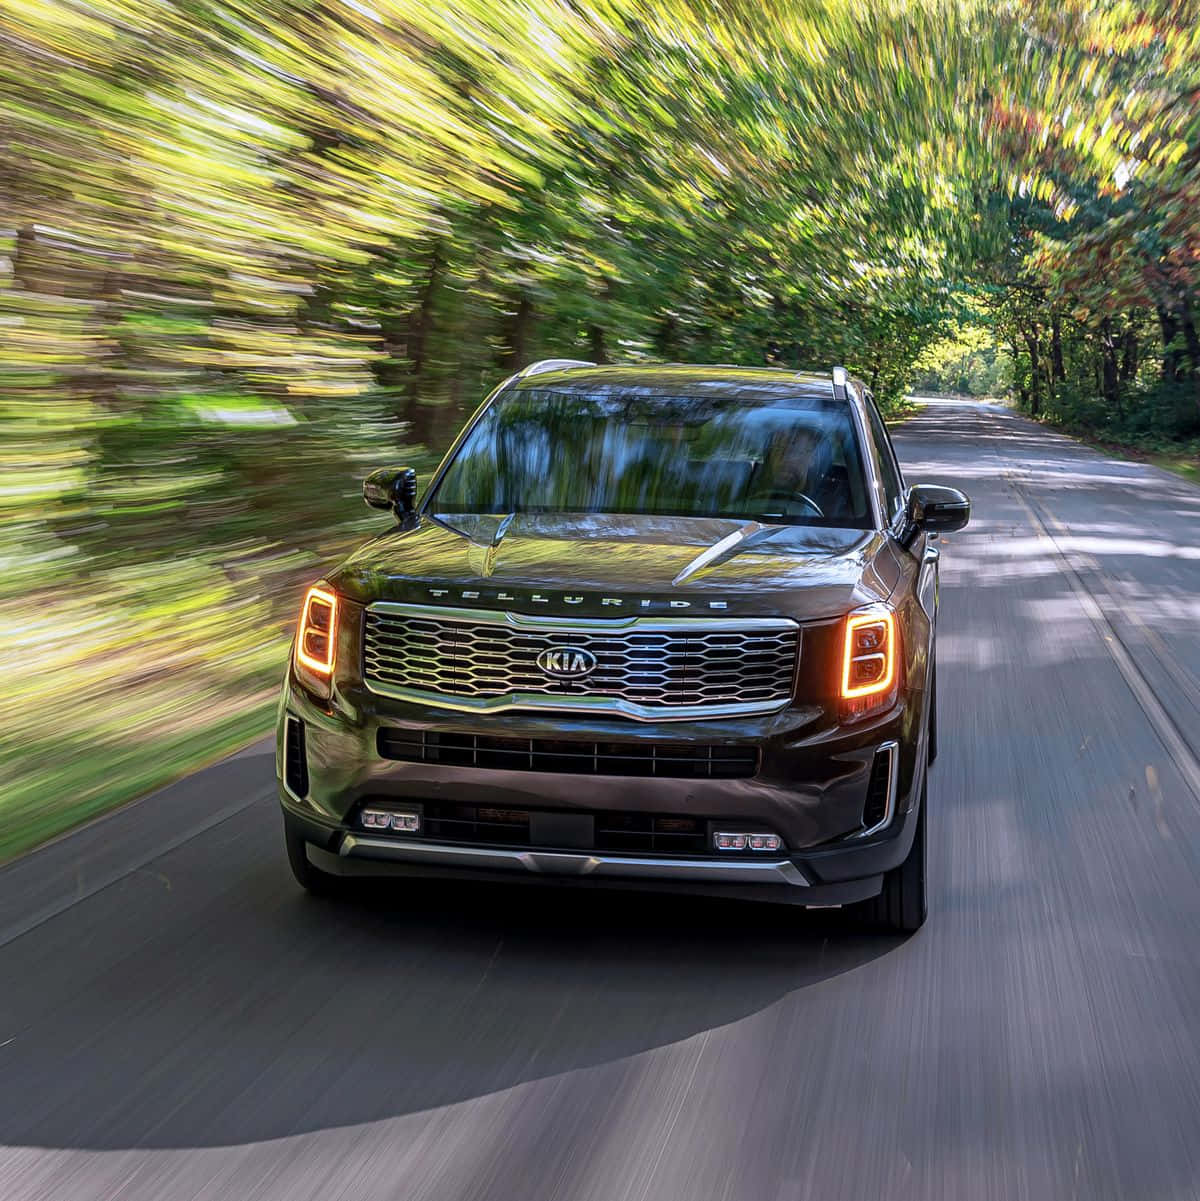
x=1035, y=398
x=1109, y=387
x=517, y=353
x=1192, y=342
x=1056, y=373
x=24, y=256
x=1129, y=353
x=1022, y=391
x=1187, y=323
x=666, y=339
x=421, y=323
x=599, y=350
x=1169, y=327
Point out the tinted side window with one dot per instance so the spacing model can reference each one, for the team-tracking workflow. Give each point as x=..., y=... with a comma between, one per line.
x=889, y=469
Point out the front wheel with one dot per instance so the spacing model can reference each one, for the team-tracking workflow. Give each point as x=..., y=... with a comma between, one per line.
x=933, y=714
x=311, y=879
x=900, y=907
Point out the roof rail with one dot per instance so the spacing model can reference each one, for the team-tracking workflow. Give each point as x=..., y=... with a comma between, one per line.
x=543, y=365
x=840, y=391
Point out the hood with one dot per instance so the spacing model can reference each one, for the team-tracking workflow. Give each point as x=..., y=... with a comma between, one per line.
x=678, y=563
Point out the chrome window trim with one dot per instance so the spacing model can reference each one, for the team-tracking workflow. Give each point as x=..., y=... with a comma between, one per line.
x=590, y=706
x=544, y=365
x=865, y=442
x=893, y=753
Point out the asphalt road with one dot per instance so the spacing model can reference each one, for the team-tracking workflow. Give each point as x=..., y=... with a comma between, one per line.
x=177, y=1021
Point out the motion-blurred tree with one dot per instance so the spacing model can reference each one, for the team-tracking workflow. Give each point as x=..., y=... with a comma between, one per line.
x=234, y=229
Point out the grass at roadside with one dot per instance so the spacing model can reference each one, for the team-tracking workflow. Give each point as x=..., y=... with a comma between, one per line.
x=125, y=667
x=1181, y=458
x=902, y=411
x=115, y=689
x=1185, y=463
x=83, y=781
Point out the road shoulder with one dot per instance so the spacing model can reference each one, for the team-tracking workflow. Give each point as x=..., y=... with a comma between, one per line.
x=50, y=879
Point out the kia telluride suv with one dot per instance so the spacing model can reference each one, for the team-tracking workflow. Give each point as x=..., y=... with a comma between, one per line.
x=658, y=627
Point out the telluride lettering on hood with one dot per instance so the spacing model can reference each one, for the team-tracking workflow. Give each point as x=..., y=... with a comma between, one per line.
x=665, y=628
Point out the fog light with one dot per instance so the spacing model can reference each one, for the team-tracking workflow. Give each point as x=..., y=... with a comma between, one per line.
x=730, y=842
x=382, y=819
x=765, y=842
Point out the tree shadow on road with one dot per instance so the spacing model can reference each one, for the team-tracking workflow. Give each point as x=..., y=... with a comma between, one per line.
x=223, y=1007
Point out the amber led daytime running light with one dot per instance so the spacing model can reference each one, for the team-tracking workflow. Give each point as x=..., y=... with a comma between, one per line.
x=323, y=666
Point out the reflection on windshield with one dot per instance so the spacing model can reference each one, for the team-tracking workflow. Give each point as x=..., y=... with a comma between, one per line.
x=794, y=459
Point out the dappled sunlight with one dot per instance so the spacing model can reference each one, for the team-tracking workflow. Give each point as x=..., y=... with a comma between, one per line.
x=978, y=651
x=1095, y=517
x=1101, y=547
x=1002, y=567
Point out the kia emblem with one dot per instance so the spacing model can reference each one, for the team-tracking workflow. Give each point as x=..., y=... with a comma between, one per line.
x=566, y=662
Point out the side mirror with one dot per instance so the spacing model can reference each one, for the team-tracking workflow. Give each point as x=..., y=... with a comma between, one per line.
x=392, y=488
x=936, y=510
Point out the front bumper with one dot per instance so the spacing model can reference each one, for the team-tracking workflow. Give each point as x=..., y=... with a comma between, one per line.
x=837, y=876
x=809, y=787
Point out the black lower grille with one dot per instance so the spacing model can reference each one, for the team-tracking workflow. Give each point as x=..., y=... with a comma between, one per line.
x=879, y=788
x=475, y=823
x=705, y=761
x=630, y=833
x=295, y=761
x=649, y=832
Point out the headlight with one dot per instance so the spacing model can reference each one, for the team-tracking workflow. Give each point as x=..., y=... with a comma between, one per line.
x=869, y=662
x=316, y=639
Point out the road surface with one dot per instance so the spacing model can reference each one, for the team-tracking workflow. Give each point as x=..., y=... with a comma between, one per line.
x=178, y=1022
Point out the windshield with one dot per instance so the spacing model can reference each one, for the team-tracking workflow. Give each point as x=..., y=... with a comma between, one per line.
x=792, y=460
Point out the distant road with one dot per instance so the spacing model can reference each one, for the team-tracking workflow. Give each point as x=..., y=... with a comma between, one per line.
x=178, y=1022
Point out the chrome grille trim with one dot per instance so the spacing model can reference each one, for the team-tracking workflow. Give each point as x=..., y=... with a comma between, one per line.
x=649, y=668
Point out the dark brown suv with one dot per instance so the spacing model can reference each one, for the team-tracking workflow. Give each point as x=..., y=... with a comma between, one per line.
x=664, y=628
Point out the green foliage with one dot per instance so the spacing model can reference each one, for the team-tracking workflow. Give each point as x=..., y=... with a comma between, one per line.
x=967, y=362
x=249, y=250
x=1096, y=293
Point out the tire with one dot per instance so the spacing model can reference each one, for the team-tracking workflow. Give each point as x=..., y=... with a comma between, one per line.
x=311, y=879
x=900, y=907
x=933, y=747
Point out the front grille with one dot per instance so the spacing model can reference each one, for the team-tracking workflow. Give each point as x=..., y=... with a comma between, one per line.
x=615, y=832
x=700, y=761
x=658, y=664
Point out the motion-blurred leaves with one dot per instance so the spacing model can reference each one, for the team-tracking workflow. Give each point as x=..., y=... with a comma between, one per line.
x=250, y=249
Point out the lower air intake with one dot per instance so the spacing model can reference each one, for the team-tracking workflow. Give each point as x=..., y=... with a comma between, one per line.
x=686, y=761
x=881, y=789
x=295, y=760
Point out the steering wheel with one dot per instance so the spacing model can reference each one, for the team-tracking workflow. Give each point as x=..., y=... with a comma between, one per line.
x=785, y=495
